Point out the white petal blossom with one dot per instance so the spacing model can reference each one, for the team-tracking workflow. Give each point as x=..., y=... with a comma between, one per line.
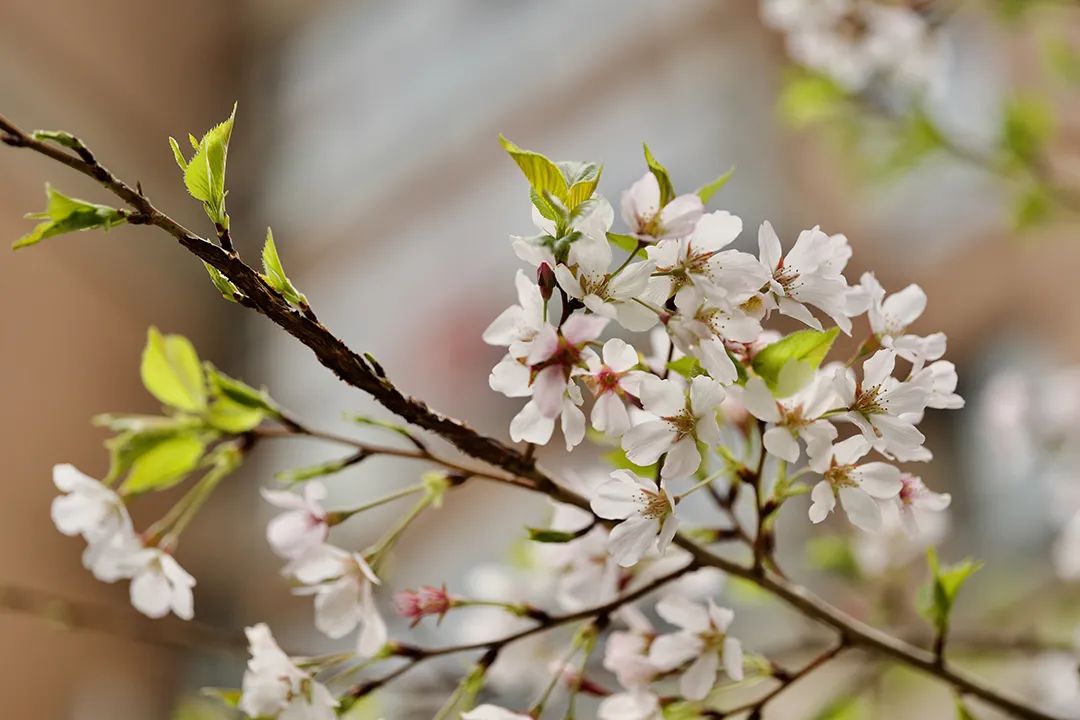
x=793, y=418
x=303, y=525
x=87, y=507
x=274, y=687
x=642, y=213
x=701, y=644
x=682, y=419
x=647, y=513
x=858, y=486
x=159, y=585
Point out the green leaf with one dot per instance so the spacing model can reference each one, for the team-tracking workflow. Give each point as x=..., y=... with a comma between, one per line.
x=1032, y=207
x=833, y=554
x=138, y=435
x=204, y=173
x=384, y=425
x=785, y=364
x=229, y=696
x=240, y=392
x=322, y=469
x=962, y=711
x=582, y=179
x=57, y=136
x=225, y=286
x=706, y=191
x=808, y=98
x=945, y=584
x=687, y=366
x=275, y=274
x=171, y=372
x=1027, y=126
x=232, y=417
x=436, y=483
x=165, y=464
x=548, y=535
x=543, y=175
x=847, y=707
x=626, y=243
x=65, y=214
x=667, y=190
x=618, y=460
x=546, y=208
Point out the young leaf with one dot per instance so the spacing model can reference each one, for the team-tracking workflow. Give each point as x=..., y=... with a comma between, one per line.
x=543, y=175
x=807, y=98
x=687, y=366
x=165, y=464
x=945, y=584
x=582, y=179
x=222, y=283
x=275, y=274
x=667, y=190
x=240, y=392
x=786, y=363
x=57, y=136
x=171, y=372
x=548, y=535
x=231, y=417
x=322, y=469
x=627, y=243
x=65, y=214
x=706, y=191
x=137, y=436
x=204, y=173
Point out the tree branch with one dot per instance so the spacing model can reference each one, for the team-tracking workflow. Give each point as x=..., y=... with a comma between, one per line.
x=369, y=377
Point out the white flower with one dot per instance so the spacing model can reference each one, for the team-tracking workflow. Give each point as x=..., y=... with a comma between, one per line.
x=638, y=704
x=647, y=513
x=626, y=652
x=611, y=296
x=344, y=588
x=916, y=502
x=702, y=641
x=610, y=379
x=87, y=507
x=303, y=526
x=515, y=328
x=697, y=261
x=809, y=274
x=890, y=317
x=941, y=378
x=642, y=213
x=493, y=712
x=792, y=418
x=159, y=585
x=857, y=485
x=109, y=559
x=883, y=407
x=682, y=419
x=274, y=687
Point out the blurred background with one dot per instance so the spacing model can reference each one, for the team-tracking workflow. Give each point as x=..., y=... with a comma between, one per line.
x=366, y=136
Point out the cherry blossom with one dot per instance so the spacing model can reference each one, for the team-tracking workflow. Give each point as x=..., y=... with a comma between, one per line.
x=303, y=525
x=810, y=274
x=611, y=379
x=613, y=296
x=682, y=419
x=647, y=513
x=916, y=501
x=626, y=652
x=637, y=704
x=87, y=507
x=415, y=605
x=516, y=326
x=702, y=641
x=159, y=585
x=794, y=417
x=274, y=687
x=890, y=317
x=856, y=485
x=642, y=213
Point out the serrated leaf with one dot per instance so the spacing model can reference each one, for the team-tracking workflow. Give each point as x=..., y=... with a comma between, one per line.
x=275, y=274
x=165, y=464
x=546, y=208
x=65, y=214
x=543, y=174
x=172, y=373
x=224, y=286
x=706, y=191
x=801, y=352
x=204, y=173
x=667, y=189
x=548, y=535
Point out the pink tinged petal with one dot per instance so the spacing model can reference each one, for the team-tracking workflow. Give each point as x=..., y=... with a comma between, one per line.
x=850, y=450
x=549, y=388
x=568, y=282
x=795, y=309
x=674, y=650
x=715, y=230
x=822, y=502
x=543, y=345
x=631, y=539
x=878, y=367
x=760, y=401
x=292, y=533
x=700, y=677
x=862, y=510
x=283, y=499
x=645, y=443
x=641, y=202
x=879, y=479
x=314, y=493
x=769, y=249
x=684, y=613
x=682, y=460
x=530, y=425
x=573, y=424
x=679, y=216
x=619, y=355
x=667, y=533
x=780, y=442
x=733, y=659
x=580, y=328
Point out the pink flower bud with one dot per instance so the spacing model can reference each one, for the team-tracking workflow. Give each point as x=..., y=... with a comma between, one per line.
x=545, y=278
x=415, y=605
